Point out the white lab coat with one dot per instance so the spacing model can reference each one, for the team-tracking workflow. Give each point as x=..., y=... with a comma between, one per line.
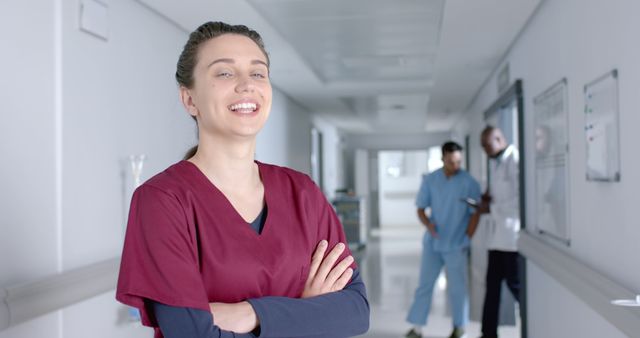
x=504, y=188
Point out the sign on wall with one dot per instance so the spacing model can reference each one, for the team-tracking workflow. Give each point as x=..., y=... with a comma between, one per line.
x=552, y=162
x=602, y=129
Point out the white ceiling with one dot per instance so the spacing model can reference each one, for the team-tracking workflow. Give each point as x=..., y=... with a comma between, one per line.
x=373, y=66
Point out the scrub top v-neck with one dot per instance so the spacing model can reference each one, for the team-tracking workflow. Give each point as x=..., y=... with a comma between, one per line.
x=230, y=208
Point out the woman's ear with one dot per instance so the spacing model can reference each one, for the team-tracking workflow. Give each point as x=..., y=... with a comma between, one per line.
x=187, y=101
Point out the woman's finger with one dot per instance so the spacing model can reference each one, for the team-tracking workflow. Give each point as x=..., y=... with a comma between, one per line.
x=343, y=280
x=328, y=262
x=338, y=270
x=316, y=259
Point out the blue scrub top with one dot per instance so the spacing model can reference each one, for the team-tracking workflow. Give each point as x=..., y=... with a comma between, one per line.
x=449, y=212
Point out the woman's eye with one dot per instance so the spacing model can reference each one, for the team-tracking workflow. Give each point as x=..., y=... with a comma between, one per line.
x=224, y=74
x=258, y=75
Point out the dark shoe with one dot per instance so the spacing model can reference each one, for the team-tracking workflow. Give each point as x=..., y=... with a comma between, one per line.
x=457, y=333
x=483, y=336
x=412, y=334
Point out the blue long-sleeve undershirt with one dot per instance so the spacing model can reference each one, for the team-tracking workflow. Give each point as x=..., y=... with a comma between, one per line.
x=339, y=314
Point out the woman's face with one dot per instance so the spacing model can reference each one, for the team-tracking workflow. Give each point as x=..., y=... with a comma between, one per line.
x=231, y=95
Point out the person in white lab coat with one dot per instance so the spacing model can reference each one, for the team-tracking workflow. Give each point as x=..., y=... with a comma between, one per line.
x=502, y=204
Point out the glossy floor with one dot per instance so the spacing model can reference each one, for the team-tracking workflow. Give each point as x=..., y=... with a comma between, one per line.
x=389, y=264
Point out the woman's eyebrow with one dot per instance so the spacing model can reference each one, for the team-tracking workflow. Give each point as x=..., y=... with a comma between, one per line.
x=225, y=60
x=259, y=62
x=228, y=60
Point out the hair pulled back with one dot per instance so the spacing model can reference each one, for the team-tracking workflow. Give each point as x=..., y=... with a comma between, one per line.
x=189, y=57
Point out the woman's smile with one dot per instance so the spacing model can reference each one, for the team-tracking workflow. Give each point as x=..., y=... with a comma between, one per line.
x=245, y=108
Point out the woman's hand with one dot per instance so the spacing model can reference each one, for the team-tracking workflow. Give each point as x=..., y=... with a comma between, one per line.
x=323, y=276
x=234, y=317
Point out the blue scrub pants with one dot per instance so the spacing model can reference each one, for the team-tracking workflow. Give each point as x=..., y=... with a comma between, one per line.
x=455, y=263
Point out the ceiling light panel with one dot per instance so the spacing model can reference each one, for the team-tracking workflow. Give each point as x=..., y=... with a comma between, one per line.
x=360, y=40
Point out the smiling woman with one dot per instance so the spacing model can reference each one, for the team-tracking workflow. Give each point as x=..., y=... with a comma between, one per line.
x=221, y=245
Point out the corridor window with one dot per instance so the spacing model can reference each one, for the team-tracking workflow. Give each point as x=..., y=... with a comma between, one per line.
x=434, y=161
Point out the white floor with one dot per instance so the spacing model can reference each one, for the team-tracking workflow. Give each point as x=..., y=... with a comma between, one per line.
x=389, y=264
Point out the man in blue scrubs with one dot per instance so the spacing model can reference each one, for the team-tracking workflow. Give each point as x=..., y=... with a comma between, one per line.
x=450, y=225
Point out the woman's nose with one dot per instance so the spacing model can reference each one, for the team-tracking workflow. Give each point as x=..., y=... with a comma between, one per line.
x=244, y=85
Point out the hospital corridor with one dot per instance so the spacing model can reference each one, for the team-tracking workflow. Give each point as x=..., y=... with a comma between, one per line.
x=189, y=168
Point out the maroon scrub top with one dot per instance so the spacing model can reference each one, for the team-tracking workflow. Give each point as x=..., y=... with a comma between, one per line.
x=187, y=246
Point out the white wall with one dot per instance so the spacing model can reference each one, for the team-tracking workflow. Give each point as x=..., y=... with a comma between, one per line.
x=362, y=183
x=579, y=40
x=28, y=247
x=361, y=168
x=554, y=304
x=286, y=138
x=27, y=141
x=73, y=108
x=333, y=168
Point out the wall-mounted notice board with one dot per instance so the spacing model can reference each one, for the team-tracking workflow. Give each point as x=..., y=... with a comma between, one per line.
x=602, y=128
x=552, y=162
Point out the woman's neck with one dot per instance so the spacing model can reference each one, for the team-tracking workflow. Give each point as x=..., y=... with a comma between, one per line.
x=227, y=164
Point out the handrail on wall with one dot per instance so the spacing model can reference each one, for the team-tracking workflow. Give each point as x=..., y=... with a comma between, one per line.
x=26, y=301
x=590, y=286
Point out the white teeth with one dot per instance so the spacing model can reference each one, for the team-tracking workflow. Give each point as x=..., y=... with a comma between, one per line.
x=245, y=105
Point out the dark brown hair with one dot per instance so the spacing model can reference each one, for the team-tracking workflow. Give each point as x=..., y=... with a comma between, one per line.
x=450, y=147
x=189, y=56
